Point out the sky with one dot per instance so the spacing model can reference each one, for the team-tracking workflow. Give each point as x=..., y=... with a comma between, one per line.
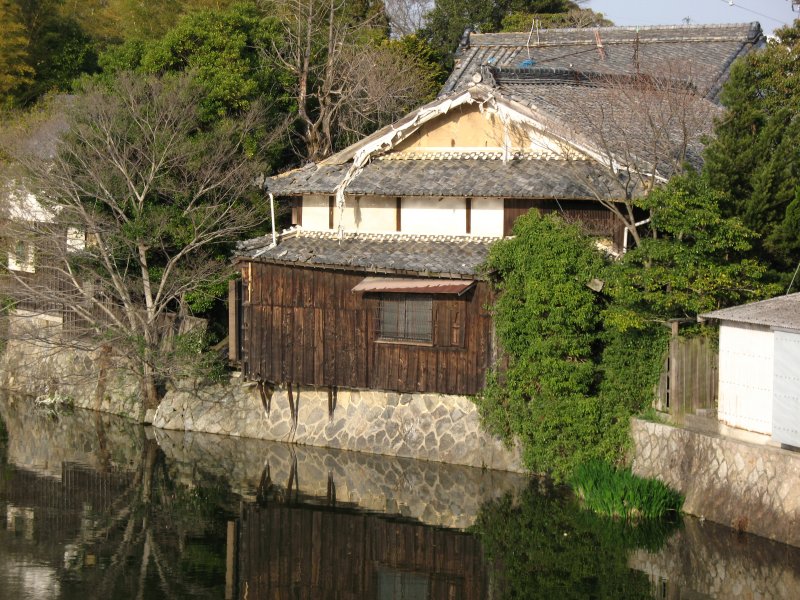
x=771, y=13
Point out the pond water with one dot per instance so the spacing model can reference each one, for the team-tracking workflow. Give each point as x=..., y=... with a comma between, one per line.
x=92, y=506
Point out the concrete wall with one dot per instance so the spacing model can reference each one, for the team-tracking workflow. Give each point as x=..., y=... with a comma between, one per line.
x=423, y=426
x=434, y=427
x=748, y=487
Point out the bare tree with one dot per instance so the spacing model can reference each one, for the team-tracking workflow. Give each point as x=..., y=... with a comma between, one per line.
x=131, y=218
x=346, y=81
x=641, y=129
x=406, y=17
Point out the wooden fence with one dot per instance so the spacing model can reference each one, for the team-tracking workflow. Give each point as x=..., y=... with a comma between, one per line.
x=689, y=379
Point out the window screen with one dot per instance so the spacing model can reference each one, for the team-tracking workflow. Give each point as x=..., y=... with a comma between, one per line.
x=406, y=317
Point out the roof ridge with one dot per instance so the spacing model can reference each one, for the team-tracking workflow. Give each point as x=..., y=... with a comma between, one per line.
x=368, y=236
x=753, y=28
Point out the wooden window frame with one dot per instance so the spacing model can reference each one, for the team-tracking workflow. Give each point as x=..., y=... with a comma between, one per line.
x=412, y=319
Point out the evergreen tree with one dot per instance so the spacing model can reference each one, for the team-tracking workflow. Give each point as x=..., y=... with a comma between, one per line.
x=755, y=156
x=447, y=21
x=15, y=68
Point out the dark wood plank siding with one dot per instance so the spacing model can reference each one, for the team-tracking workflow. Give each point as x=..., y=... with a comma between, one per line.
x=596, y=219
x=306, y=326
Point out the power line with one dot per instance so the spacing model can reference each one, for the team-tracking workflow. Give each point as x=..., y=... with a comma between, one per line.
x=755, y=12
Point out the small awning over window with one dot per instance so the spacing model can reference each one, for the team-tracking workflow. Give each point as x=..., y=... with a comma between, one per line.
x=414, y=286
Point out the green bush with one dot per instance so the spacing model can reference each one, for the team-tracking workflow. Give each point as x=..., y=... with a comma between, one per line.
x=619, y=493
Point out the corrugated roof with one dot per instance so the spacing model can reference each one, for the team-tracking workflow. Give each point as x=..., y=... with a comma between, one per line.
x=414, y=286
x=702, y=53
x=782, y=312
x=441, y=256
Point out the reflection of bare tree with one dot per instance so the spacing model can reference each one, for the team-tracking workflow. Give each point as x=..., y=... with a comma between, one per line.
x=133, y=533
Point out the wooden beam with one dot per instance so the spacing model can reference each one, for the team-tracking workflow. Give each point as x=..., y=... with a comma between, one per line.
x=468, y=206
x=398, y=211
x=331, y=206
x=297, y=212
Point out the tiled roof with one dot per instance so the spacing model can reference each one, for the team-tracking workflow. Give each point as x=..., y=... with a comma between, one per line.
x=782, y=312
x=518, y=178
x=311, y=179
x=619, y=118
x=450, y=257
x=700, y=53
x=487, y=176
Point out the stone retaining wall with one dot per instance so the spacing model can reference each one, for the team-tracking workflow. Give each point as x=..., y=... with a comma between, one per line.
x=91, y=379
x=423, y=426
x=745, y=486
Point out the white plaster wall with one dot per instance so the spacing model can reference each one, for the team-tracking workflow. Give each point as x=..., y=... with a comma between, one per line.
x=746, y=356
x=434, y=215
x=431, y=215
x=315, y=213
x=487, y=217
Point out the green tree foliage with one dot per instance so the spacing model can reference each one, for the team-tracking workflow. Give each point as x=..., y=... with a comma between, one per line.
x=544, y=546
x=580, y=363
x=755, y=156
x=548, y=324
x=15, y=68
x=446, y=22
x=574, y=17
x=694, y=264
x=219, y=47
x=60, y=49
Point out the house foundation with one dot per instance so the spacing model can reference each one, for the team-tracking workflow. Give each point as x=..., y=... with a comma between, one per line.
x=436, y=427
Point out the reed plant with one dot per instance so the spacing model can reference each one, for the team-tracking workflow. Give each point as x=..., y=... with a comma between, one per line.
x=619, y=493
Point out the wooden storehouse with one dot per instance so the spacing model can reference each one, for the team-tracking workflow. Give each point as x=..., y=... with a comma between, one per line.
x=378, y=284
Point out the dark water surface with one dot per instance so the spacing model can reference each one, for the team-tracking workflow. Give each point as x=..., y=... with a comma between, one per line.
x=92, y=506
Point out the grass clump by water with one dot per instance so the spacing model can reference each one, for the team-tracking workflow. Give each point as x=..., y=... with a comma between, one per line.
x=619, y=493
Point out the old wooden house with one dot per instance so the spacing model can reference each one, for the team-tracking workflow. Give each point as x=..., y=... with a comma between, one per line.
x=378, y=283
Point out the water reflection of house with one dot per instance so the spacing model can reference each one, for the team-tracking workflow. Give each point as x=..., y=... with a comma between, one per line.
x=378, y=284
x=305, y=552
x=42, y=512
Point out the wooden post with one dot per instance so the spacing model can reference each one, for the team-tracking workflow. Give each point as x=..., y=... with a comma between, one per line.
x=230, y=561
x=398, y=214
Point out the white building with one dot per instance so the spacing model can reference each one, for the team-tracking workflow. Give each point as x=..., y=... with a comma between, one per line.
x=759, y=367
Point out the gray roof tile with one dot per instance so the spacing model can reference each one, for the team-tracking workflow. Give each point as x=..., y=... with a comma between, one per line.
x=465, y=177
x=781, y=312
x=700, y=53
x=449, y=257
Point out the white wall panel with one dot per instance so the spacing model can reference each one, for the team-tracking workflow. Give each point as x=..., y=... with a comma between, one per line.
x=487, y=217
x=786, y=389
x=745, y=376
x=435, y=215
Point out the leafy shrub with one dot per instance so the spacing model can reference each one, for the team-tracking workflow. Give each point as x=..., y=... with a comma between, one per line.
x=607, y=490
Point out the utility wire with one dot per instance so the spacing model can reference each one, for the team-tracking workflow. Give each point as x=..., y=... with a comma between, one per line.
x=755, y=12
